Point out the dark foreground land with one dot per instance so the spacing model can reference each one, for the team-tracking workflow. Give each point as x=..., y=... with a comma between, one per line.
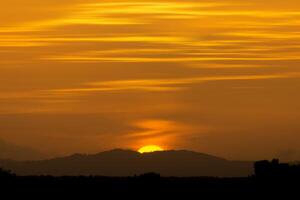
x=270, y=180
x=150, y=186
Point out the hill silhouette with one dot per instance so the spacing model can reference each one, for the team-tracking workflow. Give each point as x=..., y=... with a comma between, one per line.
x=128, y=163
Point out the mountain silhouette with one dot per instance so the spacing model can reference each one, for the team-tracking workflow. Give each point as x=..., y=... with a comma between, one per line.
x=12, y=151
x=128, y=163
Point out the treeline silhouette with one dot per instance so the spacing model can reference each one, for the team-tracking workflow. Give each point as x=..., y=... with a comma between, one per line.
x=270, y=178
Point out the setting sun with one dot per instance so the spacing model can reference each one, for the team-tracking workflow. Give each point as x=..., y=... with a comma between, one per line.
x=149, y=149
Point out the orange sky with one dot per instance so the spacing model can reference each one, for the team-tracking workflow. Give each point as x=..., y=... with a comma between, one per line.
x=216, y=76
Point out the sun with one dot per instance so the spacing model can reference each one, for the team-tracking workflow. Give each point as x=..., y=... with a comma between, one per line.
x=149, y=149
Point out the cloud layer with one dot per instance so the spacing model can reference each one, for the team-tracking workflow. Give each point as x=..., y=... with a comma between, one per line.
x=212, y=76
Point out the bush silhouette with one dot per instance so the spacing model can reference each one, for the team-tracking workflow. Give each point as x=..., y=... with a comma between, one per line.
x=150, y=176
x=5, y=173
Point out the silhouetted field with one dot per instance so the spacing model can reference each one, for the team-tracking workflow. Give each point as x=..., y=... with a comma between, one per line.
x=271, y=179
x=170, y=186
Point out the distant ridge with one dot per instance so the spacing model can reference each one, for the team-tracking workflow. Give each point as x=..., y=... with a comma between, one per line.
x=120, y=162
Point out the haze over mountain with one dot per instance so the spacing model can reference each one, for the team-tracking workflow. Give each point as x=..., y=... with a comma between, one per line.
x=128, y=163
x=15, y=152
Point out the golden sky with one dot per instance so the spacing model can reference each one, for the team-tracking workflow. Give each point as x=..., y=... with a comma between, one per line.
x=216, y=76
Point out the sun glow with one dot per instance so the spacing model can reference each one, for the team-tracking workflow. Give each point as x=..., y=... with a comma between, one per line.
x=149, y=149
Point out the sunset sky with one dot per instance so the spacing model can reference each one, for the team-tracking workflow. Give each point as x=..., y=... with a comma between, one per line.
x=214, y=76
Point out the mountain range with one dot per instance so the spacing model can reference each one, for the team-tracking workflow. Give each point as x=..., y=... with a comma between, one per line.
x=120, y=162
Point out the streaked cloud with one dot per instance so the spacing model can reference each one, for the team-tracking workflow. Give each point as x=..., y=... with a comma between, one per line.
x=160, y=132
x=163, y=85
